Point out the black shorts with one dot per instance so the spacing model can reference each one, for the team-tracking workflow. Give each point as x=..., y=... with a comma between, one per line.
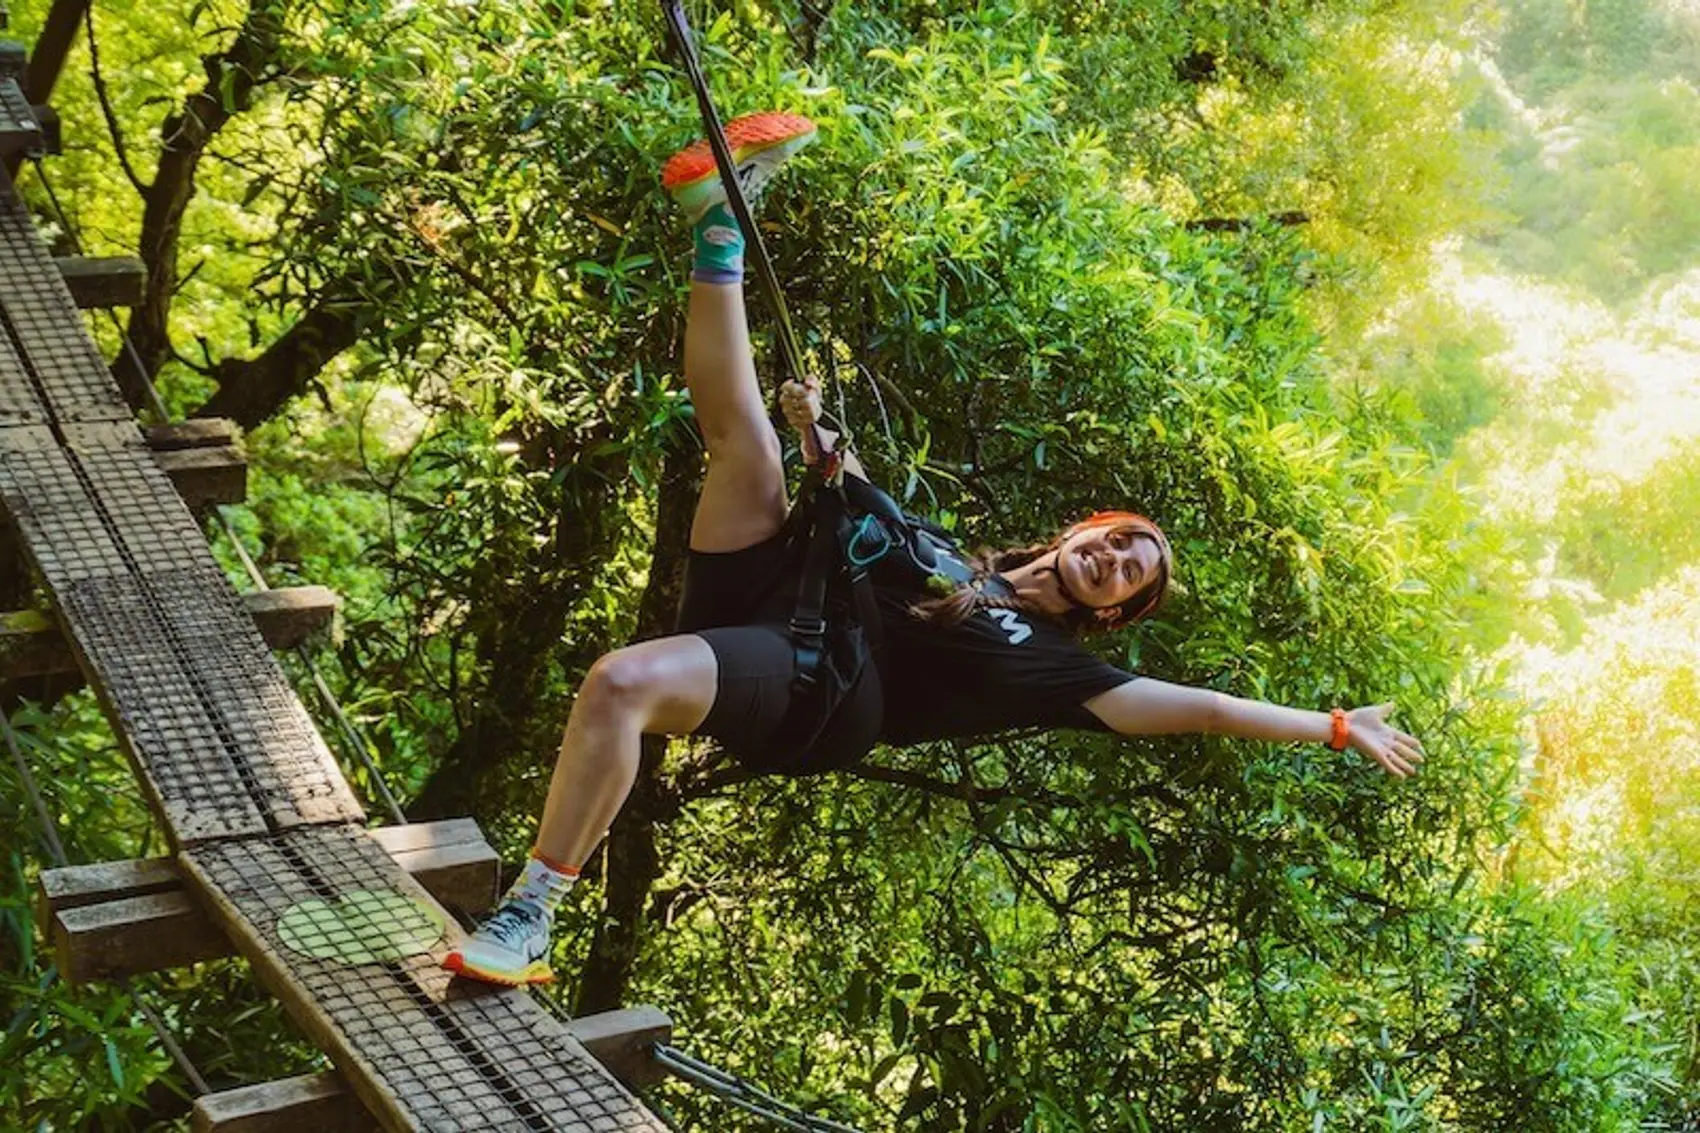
x=740, y=602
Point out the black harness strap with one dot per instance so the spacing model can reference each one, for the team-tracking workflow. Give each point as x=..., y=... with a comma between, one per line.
x=821, y=558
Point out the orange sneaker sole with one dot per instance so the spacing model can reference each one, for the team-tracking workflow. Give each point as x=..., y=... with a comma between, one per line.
x=538, y=973
x=744, y=136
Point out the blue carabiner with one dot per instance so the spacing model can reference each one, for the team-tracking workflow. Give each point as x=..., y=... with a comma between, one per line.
x=851, y=552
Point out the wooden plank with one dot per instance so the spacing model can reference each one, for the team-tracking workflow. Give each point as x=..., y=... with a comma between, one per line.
x=204, y=476
x=33, y=645
x=197, y=432
x=463, y=879
x=124, y=918
x=75, y=886
x=133, y=935
x=427, y=835
x=103, y=281
x=619, y=1040
x=450, y=858
x=320, y=1102
x=369, y=1018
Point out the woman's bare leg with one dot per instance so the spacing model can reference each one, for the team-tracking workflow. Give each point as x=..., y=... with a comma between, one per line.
x=743, y=497
x=663, y=686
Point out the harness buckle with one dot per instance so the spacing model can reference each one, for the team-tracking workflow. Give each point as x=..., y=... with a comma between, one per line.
x=809, y=627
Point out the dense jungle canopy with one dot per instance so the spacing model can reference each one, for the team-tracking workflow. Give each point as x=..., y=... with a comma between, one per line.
x=1388, y=311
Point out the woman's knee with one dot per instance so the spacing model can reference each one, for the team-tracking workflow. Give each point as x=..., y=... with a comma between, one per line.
x=620, y=682
x=645, y=683
x=751, y=445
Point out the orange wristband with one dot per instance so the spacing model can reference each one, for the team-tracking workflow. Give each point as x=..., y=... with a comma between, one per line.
x=1341, y=730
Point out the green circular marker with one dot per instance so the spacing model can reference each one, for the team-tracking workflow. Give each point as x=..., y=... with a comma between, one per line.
x=365, y=926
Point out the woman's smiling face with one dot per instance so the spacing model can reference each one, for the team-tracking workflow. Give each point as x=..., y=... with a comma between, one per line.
x=1105, y=565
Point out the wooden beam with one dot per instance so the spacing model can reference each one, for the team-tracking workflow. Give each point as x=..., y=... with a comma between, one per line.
x=205, y=476
x=31, y=644
x=103, y=281
x=320, y=1102
x=197, y=432
x=313, y=1101
x=449, y=857
x=622, y=1042
x=204, y=459
x=119, y=919
x=619, y=1040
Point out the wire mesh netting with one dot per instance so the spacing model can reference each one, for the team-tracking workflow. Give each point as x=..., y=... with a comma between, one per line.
x=225, y=745
x=338, y=922
x=45, y=329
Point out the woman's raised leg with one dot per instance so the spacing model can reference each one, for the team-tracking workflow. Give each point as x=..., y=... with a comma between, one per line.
x=743, y=498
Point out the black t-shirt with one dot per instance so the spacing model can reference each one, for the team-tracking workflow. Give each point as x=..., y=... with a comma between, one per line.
x=998, y=670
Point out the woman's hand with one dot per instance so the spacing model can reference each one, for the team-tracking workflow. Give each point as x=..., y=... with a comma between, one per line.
x=800, y=402
x=1369, y=732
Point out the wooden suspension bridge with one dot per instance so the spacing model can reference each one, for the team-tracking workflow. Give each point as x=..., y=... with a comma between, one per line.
x=272, y=854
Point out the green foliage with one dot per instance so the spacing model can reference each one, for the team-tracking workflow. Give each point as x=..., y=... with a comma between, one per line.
x=87, y=1058
x=1602, y=129
x=991, y=250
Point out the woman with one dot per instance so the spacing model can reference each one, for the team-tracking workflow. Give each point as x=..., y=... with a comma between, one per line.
x=998, y=653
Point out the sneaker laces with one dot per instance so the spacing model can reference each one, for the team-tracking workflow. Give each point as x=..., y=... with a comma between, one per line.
x=509, y=924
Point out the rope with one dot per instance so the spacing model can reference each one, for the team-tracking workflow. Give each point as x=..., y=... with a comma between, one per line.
x=741, y=1094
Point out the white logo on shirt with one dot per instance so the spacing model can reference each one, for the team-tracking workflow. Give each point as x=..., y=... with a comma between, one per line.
x=1012, y=624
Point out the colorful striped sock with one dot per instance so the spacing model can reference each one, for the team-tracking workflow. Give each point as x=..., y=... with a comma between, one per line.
x=719, y=256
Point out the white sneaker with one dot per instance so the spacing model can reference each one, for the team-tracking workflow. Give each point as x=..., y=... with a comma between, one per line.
x=511, y=947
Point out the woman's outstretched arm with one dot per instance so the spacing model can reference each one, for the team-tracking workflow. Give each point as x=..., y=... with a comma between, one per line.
x=1145, y=707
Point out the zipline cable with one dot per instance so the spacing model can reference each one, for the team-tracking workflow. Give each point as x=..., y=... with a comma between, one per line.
x=679, y=30
x=741, y=1094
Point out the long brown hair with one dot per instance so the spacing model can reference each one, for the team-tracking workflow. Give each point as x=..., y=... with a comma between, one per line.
x=960, y=604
